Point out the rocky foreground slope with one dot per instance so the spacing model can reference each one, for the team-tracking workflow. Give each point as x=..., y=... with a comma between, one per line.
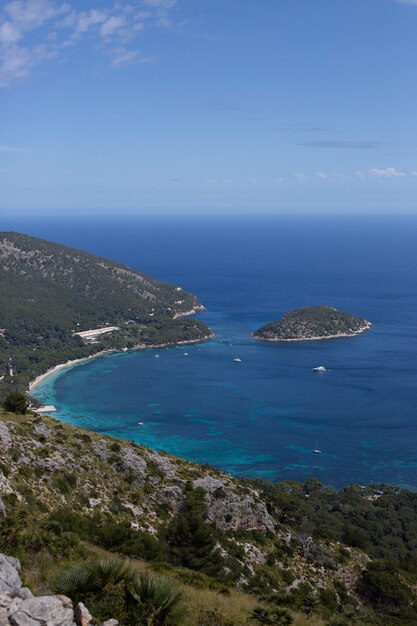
x=65, y=492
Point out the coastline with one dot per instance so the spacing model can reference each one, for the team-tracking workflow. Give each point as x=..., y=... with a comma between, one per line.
x=339, y=336
x=141, y=346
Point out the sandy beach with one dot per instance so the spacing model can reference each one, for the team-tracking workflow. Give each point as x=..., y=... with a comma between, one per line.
x=141, y=346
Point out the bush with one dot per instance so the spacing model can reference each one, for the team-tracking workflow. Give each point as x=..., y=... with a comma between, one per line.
x=15, y=402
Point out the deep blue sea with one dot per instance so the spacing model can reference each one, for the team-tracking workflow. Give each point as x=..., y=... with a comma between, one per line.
x=264, y=416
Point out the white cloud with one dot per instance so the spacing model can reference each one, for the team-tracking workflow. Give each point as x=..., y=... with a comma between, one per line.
x=31, y=14
x=112, y=25
x=89, y=19
x=322, y=175
x=33, y=31
x=13, y=149
x=9, y=34
x=388, y=172
x=121, y=58
x=409, y=2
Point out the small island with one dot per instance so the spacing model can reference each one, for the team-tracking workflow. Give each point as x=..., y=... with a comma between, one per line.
x=313, y=323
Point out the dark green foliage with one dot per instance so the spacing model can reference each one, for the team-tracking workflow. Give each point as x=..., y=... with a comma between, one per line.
x=15, y=402
x=190, y=540
x=382, y=586
x=115, y=536
x=308, y=322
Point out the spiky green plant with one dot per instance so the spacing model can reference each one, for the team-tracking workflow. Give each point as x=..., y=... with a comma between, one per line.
x=159, y=600
x=271, y=617
x=111, y=589
x=82, y=581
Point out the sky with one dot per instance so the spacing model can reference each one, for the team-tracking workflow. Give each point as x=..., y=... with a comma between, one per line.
x=208, y=106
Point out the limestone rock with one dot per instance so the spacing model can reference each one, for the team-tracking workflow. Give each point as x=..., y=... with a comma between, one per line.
x=209, y=483
x=239, y=513
x=172, y=496
x=82, y=615
x=134, y=463
x=42, y=429
x=9, y=575
x=5, y=436
x=164, y=464
x=43, y=611
x=2, y=507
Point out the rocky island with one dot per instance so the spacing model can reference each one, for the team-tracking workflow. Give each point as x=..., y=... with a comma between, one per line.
x=313, y=323
x=59, y=304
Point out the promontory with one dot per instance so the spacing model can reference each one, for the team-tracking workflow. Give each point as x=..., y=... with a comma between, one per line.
x=61, y=304
x=313, y=323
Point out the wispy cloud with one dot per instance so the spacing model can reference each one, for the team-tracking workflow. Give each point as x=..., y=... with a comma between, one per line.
x=409, y=2
x=34, y=31
x=13, y=149
x=388, y=172
x=296, y=128
x=345, y=145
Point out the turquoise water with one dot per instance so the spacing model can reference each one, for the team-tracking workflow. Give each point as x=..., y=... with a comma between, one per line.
x=263, y=416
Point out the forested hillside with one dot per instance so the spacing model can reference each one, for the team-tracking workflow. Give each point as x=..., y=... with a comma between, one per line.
x=50, y=291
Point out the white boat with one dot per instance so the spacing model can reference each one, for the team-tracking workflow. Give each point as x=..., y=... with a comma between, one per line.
x=141, y=423
x=316, y=449
x=185, y=353
x=156, y=356
x=237, y=360
x=320, y=368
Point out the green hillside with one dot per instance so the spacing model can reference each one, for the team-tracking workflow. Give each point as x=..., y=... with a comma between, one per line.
x=50, y=291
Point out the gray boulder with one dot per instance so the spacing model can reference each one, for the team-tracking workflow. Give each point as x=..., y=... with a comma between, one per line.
x=9, y=575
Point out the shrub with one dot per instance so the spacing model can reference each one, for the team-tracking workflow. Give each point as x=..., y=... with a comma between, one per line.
x=15, y=402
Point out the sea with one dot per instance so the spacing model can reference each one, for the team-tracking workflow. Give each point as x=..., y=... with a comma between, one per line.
x=264, y=416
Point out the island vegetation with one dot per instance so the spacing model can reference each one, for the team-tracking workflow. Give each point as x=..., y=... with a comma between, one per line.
x=51, y=292
x=313, y=323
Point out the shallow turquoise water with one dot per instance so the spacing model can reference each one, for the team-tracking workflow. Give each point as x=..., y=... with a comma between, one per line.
x=264, y=416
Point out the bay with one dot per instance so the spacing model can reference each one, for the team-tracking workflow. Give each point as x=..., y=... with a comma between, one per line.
x=264, y=416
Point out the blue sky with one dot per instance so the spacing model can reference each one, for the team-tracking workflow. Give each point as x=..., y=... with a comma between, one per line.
x=208, y=106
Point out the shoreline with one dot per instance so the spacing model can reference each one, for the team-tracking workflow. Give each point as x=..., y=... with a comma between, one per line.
x=140, y=346
x=340, y=336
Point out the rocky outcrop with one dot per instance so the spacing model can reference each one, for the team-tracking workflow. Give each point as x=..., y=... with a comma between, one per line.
x=18, y=607
x=229, y=510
